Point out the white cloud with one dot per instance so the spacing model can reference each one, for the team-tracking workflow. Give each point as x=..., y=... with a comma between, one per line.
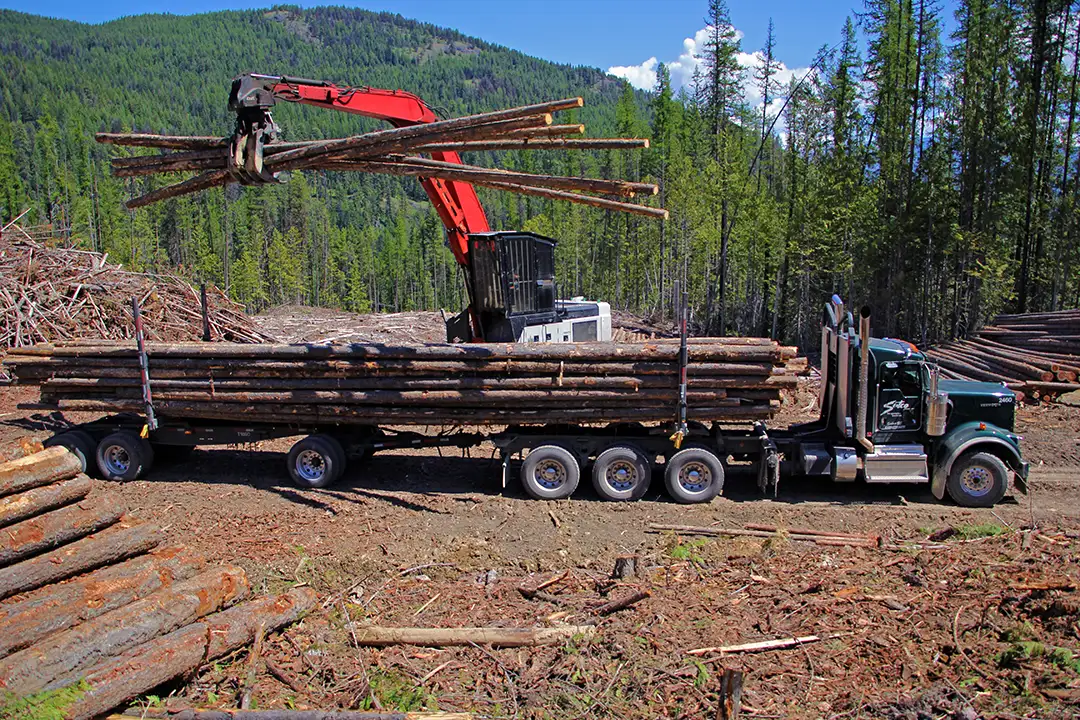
x=643, y=76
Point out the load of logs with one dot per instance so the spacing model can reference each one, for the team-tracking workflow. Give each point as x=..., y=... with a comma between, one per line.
x=1035, y=354
x=92, y=599
x=729, y=379
x=53, y=293
x=396, y=152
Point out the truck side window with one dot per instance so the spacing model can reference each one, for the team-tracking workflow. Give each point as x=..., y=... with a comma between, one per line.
x=899, y=396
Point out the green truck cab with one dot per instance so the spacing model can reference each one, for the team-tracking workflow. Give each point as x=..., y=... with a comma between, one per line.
x=886, y=416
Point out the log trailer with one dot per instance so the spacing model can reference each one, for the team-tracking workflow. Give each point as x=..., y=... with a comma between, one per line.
x=509, y=276
x=885, y=416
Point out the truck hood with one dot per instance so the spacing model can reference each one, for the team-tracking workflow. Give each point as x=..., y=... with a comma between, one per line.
x=974, y=387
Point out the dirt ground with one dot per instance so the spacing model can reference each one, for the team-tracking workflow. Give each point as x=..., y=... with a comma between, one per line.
x=976, y=617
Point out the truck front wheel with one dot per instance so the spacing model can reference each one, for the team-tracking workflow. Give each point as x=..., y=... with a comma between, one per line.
x=694, y=475
x=978, y=479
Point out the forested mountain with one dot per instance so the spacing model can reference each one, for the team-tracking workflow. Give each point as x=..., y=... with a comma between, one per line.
x=932, y=177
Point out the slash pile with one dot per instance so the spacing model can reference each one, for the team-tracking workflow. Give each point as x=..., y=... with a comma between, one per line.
x=1036, y=354
x=50, y=293
x=89, y=599
x=730, y=379
x=388, y=152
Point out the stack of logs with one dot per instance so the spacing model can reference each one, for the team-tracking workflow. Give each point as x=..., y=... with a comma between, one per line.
x=1035, y=354
x=730, y=379
x=387, y=152
x=90, y=598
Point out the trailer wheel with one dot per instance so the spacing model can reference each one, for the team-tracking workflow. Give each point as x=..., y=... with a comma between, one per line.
x=978, y=479
x=621, y=472
x=124, y=456
x=81, y=444
x=316, y=461
x=550, y=472
x=694, y=475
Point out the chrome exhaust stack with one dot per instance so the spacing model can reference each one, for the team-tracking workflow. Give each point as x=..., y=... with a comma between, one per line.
x=937, y=405
x=864, y=384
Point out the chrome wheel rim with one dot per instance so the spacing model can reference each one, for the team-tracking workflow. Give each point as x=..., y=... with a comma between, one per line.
x=976, y=481
x=117, y=460
x=310, y=465
x=621, y=475
x=695, y=477
x=549, y=474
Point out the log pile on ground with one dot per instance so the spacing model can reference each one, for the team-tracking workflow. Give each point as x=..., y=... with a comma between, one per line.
x=51, y=293
x=397, y=152
x=1036, y=354
x=132, y=613
x=730, y=379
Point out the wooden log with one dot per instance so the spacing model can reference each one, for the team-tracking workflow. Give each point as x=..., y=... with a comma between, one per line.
x=60, y=658
x=203, y=181
x=549, y=131
x=173, y=142
x=54, y=608
x=444, y=637
x=858, y=541
x=622, y=603
x=729, y=704
x=119, y=679
x=432, y=398
x=401, y=165
x=15, y=508
x=966, y=369
x=42, y=468
x=172, y=166
x=59, y=527
x=116, y=543
x=536, y=144
x=358, y=142
x=782, y=644
x=589, y=200
x=19, y=448
x=1004, y=364
x=150, y=160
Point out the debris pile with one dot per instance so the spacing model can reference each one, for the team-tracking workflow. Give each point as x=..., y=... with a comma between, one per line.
x=132, y=613
x=51, y=293
x=1036, y=354
x=732, y=379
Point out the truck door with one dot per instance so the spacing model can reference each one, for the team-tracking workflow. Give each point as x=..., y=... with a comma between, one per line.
x=899, y=403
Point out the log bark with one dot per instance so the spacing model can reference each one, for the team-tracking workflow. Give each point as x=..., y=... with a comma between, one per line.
x=203, y=181
x=111, y=545
x=15, y=508
x=756, y=646
x=42, y=468
x=536, y=144
x=119, y=679
x=54, y=608
x=444, y=637
x=60, y=659
x=589, y=200
x=173, y=142
x=358, y=142
x=59, y=527
x=622, y=603
x=19, y=448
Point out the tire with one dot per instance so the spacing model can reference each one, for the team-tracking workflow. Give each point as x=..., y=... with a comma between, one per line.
x=81, y=444
x=550, y=472
x=694, y=475
x=172, y=453
x=124, y=456
x=978, y=480
x=316, y=461
x=621, y=473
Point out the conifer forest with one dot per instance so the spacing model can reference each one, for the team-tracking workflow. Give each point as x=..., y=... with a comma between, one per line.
x=928, y=166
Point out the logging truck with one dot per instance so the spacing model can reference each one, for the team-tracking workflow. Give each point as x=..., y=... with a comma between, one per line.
x=885, y=416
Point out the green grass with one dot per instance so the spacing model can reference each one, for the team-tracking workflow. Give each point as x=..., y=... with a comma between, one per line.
x=397, y=692
x=971, y=532
x=1062, y=658
x=47, y=705
x=688, y=550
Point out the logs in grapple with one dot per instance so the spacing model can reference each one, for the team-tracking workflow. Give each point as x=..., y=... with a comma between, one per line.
x=729, y=379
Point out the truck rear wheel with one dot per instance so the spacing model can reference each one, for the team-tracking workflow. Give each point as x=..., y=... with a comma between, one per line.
x=81, y=444
x=621, y=472
x=694, y=475
x=550, y=472
x=124, y=456
x=316, y=461
x=978, y=479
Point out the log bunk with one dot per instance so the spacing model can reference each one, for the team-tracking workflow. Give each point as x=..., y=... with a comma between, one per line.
x=1036, y=354
x=729, y=379
x=91, y=598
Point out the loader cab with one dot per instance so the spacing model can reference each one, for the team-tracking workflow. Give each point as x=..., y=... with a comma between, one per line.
x=513, y=293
